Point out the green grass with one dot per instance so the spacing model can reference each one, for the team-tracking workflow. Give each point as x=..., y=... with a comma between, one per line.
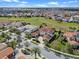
x=39, y=20
x=2, y=39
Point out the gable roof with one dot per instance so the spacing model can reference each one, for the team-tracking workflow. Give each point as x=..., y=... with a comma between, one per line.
x=74, y=36
x=5, y=57
x=70, y=34
x=6, y=52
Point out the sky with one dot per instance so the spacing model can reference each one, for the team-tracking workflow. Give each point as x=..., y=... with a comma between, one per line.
x=39, y=3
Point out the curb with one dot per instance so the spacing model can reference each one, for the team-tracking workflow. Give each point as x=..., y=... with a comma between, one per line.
x=62, y=53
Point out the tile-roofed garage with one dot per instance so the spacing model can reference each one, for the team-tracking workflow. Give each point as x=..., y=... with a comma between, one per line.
x=6, y=52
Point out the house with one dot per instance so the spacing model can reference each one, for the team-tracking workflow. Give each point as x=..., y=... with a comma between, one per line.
x=66, y=19
x=5, y=57
x=28, y=28
x=3, y=23
x=45, y=32
x=76, y=18
x=16, y=24
x=35, y=34
x=72, y=38
x=58, y=18
x=6, y=53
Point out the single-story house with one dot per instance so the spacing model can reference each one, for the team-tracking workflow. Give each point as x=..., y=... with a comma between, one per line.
x=6, y=53
x=28, y=28
x=45, y=32
x=72, y=38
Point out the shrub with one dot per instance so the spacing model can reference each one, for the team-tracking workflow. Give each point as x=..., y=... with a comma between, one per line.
x=43, y=58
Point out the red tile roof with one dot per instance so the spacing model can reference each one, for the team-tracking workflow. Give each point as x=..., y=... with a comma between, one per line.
x=73, y=42
x=46, y=29
x=46, y=37
x=5, y=57
x=6, y=52
x=70, y=34
x=34, y=33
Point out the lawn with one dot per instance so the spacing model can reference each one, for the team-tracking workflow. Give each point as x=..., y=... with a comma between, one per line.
x=39, y=20
x=2, y=39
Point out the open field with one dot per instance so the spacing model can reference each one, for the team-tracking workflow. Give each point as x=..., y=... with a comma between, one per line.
x=39, y=20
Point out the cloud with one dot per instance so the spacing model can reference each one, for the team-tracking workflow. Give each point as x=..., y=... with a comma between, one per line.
x=24, y=2
x=11, y=0
x=7, y=0
x=53, y=3
x=21, y=5
x=71, y=1
x=36, y=5
x=41, y=5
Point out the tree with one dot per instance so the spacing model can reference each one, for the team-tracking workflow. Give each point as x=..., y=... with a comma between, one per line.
x=47, y=43
x=8, y=37
x=36, y=51
x=28, y=36
x=43, y=58
x=14, y=30
x=3, y=35
x=13, y=44
x=70, y=49
x=3, y=28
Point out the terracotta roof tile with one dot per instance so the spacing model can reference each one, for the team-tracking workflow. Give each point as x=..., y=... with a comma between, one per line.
x=46, y=29
x=70, y=34
x=46, y=37
x=6, y=52
x=5, y=57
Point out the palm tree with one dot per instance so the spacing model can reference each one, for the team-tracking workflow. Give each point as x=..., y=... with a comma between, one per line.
x=14, y=30
x=13, y=44
x=28, y=36
x=3, y=28
x=3, y=34
x=36, y=51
